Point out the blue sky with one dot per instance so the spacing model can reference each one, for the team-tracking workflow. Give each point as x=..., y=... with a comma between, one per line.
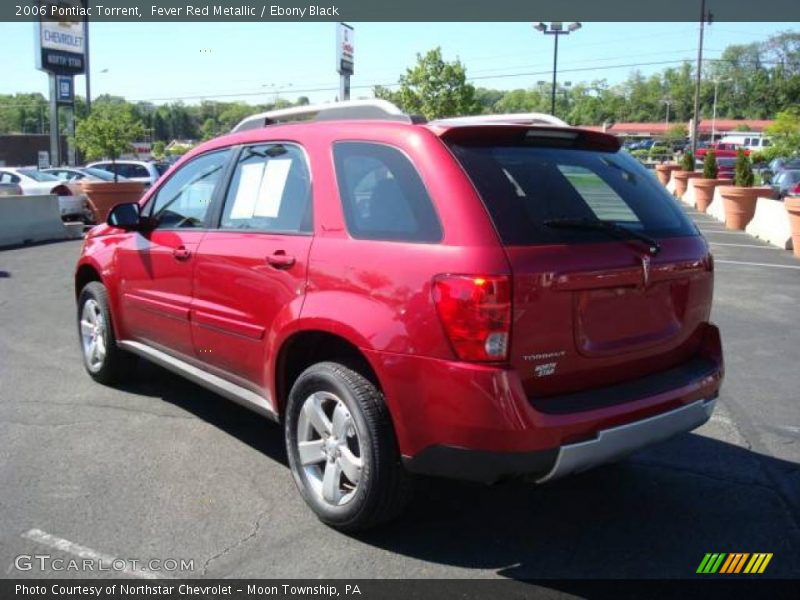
x=164, y=62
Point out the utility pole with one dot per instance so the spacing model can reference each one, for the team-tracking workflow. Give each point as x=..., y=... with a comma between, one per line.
x=696, y=120
x=86, y=61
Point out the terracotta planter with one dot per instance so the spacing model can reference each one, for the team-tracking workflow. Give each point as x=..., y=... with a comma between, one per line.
x=704, y=191
x=664, y=172
x=792, y=206
x=682, y=180
x=740, y=204
x=102, y=196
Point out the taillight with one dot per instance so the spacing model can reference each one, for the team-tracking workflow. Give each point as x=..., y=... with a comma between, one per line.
x=795, y=189
x=476, y=314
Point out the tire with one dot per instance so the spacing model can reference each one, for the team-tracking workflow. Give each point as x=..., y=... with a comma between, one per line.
x=359, y=434
x=107, y=363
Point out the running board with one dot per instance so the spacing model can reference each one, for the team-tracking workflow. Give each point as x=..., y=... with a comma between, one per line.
x=218, y=385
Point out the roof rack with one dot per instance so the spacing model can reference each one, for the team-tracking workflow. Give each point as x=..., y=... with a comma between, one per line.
x=518, y=118
x=380, y=110
x=351, y=109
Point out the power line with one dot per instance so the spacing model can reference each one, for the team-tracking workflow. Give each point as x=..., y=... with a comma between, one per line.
x=395, y=84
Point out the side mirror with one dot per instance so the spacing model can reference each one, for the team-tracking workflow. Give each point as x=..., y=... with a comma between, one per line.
x=126, y=215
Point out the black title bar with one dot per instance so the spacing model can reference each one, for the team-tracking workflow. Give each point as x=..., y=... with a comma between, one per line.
x=405, y=10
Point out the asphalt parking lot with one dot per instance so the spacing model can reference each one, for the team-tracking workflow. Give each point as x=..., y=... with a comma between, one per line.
x=164, y=469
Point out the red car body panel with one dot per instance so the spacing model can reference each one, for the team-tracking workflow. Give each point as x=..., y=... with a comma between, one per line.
x=225, y=309
x=722, y=150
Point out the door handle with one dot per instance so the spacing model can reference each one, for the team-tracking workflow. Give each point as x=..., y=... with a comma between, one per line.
x=181, y=253
x=281, y=260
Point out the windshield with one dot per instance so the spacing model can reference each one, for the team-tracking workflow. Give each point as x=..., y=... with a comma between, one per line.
x=37, y=175
x=526, y=187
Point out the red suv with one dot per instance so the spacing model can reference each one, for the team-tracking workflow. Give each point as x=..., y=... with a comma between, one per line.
x=479, y=298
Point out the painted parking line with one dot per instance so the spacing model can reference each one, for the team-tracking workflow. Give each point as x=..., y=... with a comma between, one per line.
x=758, y=246
x=62, y=545
x=755, y=264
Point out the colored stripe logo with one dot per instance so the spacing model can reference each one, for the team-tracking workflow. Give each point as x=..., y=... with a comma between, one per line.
x=734, y=562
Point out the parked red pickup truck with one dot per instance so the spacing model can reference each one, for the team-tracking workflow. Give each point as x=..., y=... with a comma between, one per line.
x=721, y=149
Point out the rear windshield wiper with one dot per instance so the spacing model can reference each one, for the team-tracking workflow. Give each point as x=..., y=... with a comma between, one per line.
x=611, y=227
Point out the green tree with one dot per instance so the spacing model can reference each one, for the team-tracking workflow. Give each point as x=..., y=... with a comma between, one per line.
x=108, y=132
x=434, y=88
x=785, y=132
x=158, y=148
x=676, y=133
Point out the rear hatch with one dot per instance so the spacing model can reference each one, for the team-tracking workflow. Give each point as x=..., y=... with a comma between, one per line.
x=611, y=281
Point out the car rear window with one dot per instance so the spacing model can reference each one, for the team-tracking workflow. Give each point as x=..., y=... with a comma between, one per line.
x=523, y=187
x=383, y=197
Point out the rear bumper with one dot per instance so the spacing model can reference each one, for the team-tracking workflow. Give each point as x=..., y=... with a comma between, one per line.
x=614, y=443
x=475, y=422
x=546, y=465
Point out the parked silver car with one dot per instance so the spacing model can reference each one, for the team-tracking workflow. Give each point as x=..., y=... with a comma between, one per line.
x=33, y=182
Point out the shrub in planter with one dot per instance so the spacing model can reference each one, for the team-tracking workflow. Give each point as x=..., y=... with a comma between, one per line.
x=704, y=186
x=740, y=198
x=685, y=173
x=687, y=161
x=710, y=165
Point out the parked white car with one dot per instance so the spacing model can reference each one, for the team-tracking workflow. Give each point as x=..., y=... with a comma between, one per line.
x=33, y=182
x=749, y=140
x=133, y=170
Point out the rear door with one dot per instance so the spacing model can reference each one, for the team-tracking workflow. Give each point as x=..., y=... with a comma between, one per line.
x=589, y=309
x=156, y=266
x=251, y=271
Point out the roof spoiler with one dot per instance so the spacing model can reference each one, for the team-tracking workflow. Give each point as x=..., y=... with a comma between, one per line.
x=514, y=119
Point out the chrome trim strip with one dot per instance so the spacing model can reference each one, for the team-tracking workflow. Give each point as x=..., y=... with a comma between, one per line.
x=231, y=391
x=614, y=443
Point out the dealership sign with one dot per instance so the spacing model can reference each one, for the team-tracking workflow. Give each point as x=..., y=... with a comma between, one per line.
x=60, y=44
x=65, y=89
x=345, y=49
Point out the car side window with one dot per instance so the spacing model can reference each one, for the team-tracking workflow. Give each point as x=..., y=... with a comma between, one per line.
x=383, y=197
x=137, y=171
x=270, y=190
x=9, y=178
x=184, y=199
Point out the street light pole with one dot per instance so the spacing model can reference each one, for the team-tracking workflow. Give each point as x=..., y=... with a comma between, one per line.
x=556, y=29
x=666, y=123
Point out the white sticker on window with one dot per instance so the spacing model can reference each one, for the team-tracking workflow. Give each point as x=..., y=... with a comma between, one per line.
x=247, y=193
x=272, y=186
